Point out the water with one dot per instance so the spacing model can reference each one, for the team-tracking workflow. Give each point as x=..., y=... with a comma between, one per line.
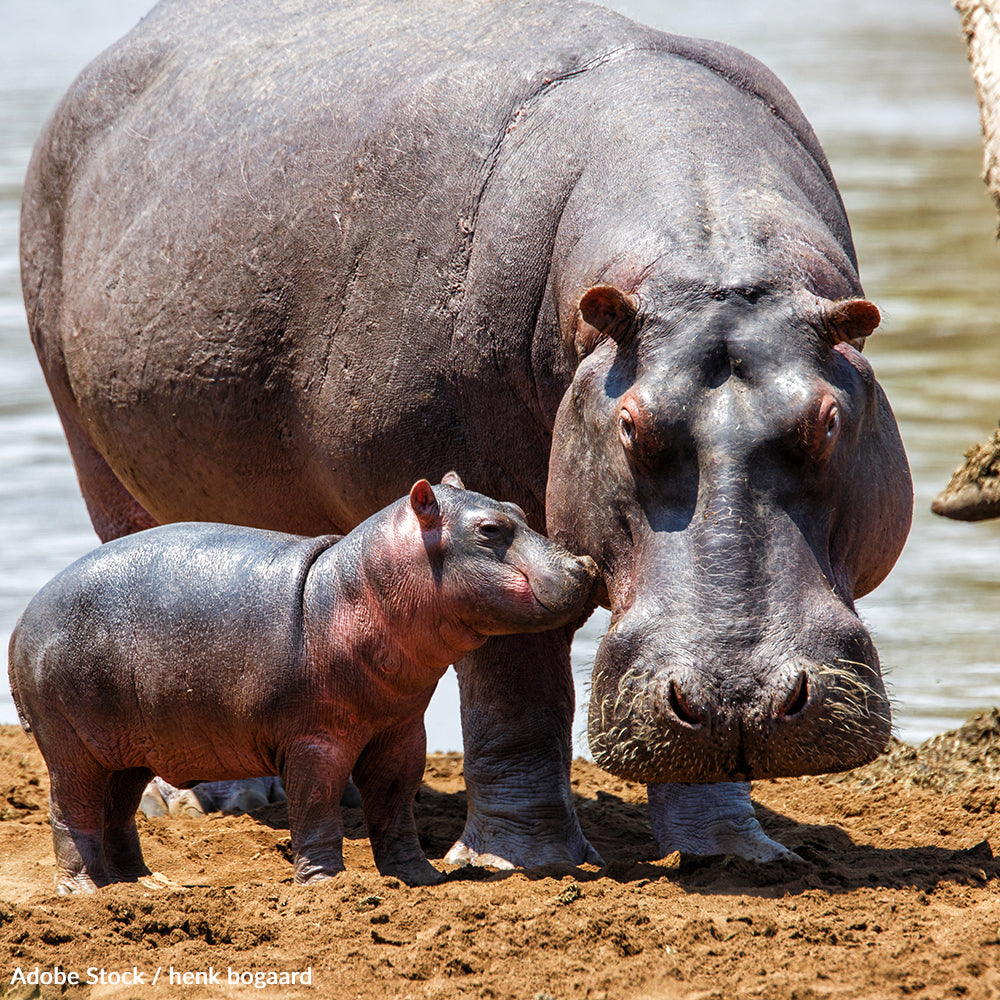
x=886, y=87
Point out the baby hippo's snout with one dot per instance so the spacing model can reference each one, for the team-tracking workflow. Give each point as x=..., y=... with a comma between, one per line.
x=560, y=581
x=565, y=583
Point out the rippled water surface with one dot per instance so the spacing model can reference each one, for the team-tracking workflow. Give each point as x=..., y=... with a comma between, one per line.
x=886, y=87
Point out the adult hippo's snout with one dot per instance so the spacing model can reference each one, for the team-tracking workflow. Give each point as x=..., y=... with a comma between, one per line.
x=737, y=510
x=717, y=707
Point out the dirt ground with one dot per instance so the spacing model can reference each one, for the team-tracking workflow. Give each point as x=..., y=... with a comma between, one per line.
x=898, y=896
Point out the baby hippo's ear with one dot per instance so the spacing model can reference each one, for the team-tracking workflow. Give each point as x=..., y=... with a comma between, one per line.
x=425, y=505
x=452, y=479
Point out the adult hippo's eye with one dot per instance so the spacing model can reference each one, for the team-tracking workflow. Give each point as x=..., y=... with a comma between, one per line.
x=823, y=429
x=830, y=419
x=832, y=422
x=626, y=428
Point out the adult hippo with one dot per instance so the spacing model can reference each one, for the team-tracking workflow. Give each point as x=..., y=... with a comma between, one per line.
x=282, y=259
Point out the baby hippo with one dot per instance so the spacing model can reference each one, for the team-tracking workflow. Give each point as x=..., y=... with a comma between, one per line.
x=201, y=652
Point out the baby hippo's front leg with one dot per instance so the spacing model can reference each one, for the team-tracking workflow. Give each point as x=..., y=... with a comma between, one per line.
x=387, y=774
x=314, y=774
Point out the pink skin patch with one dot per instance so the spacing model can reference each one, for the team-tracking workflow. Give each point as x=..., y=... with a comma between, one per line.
x=520, y=590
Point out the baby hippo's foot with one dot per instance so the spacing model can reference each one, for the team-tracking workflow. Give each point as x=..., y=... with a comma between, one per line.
x=417, y=872
x=402, y=857
x=132, y=873
x=75, y=885
x=80, y=860
x=125, y=863
x=711, y=819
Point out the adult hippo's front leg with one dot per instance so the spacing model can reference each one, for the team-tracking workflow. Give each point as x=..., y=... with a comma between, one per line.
x=517, y=720
x=711, y=819
x=517, y=715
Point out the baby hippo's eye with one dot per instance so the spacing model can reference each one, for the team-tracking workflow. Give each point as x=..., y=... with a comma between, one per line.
x=495, y=534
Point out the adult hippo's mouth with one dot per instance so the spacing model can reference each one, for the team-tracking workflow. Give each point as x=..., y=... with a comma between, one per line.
x=676, y=721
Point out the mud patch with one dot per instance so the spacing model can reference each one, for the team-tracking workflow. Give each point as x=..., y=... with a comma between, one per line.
x=973, y=492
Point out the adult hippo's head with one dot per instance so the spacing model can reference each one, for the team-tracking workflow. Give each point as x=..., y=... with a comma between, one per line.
x=738, y=476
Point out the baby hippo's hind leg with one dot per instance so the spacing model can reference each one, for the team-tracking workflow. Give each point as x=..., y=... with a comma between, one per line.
x=388, y=773
x=121, y=838
x=76, y=814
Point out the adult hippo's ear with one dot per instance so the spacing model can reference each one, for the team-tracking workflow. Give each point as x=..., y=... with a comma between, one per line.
x=452, y=479
x=425, y=505
x=849, y=321
x=605, y=311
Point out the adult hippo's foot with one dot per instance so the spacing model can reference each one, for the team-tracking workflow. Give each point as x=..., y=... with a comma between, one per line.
x=498, y=841
x=231, y=798
x=711, y=819
x=517, y=717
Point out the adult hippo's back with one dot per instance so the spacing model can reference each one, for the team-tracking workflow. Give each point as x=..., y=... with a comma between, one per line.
x=282, y=259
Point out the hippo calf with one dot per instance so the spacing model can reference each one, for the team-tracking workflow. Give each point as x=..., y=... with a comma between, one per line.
x=200, y=651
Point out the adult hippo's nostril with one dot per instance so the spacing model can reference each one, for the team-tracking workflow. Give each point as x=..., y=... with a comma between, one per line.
x=798, y=698
x=683, y=710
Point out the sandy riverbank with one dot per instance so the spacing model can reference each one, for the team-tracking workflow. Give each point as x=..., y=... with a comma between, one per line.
x=899, y=896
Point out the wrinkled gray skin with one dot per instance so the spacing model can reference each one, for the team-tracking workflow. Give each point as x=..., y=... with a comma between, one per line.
x=205, y=652
x=279, y=259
